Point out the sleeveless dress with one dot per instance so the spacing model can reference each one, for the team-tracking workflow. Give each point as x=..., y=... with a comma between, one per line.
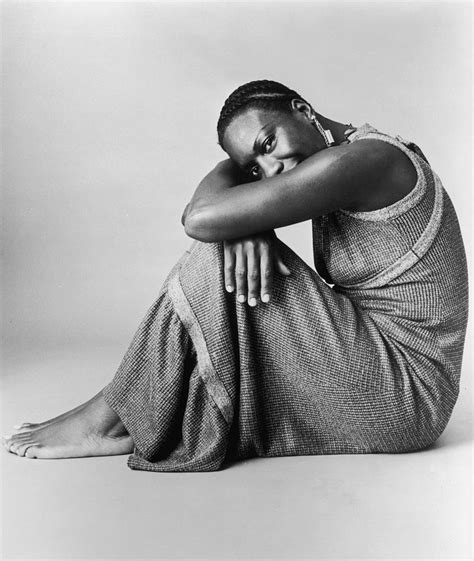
x=362, y=356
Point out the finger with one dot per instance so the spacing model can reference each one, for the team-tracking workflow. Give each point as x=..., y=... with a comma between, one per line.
x=229, y=267
x=253, y=274
x=241, y=273
x=280, y=266
x=266, y=273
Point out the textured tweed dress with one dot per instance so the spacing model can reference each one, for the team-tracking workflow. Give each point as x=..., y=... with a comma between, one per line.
x=370, y=364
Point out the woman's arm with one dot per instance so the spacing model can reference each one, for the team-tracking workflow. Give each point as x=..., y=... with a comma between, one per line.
x=249, y=262
x=363, y=175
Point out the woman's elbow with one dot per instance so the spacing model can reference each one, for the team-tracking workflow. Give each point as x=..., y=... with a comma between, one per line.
x=199, y=225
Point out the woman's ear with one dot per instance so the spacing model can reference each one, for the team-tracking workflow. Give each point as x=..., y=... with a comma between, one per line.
x=303, y=107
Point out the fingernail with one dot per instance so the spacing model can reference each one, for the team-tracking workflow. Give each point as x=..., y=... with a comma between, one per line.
x=266, y=298
x=229, y=288
x=7, y=436
x=241, y=298
x=17, y=427
x=252, y=302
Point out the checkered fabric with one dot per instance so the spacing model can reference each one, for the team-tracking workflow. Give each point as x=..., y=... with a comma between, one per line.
x=370, y=364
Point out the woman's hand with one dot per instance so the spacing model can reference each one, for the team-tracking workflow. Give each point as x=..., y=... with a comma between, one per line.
x=249, y=265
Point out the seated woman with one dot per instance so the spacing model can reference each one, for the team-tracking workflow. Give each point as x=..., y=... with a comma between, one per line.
x=248, y=351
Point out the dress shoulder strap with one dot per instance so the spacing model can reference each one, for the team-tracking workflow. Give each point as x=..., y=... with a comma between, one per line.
x=367, y=129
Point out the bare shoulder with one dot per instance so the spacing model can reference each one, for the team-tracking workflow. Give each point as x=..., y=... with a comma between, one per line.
x=388, y=174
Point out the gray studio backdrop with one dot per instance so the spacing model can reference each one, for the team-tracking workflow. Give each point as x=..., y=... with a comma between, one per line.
x=109, y=113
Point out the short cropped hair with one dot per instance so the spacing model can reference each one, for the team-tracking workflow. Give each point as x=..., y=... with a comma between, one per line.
x=263, y=94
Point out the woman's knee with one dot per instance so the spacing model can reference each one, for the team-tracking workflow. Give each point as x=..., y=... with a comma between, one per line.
x=203, y=265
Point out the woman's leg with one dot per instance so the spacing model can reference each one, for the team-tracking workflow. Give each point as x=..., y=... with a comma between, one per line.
x=207, y=378
x=309, y=373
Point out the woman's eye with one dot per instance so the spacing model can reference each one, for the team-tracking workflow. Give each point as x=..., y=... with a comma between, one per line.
x=268, y=144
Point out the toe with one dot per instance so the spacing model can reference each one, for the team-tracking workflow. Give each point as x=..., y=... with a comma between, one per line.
x=32, y=451
x=14, y=446
x=7, y=442
x=11, y=442
x=22, y=448
x=25, y=426
x=19, y=436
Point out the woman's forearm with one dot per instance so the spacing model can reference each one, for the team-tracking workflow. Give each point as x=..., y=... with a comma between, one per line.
x=224, y=176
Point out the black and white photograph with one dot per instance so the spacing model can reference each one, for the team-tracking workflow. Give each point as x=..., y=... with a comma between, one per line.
x=235, y=242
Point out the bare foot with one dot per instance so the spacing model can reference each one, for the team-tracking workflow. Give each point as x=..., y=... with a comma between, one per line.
x=35, y=426
x=92, y=429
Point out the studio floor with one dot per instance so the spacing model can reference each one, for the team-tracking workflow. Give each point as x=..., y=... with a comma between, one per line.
x=407, y=506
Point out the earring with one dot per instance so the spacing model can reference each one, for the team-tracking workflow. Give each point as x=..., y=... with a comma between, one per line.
x=325, y=133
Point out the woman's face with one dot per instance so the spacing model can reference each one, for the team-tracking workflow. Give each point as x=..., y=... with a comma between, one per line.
x=265, y=143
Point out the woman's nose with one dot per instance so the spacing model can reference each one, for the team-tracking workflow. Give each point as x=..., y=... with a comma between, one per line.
x=271, y=167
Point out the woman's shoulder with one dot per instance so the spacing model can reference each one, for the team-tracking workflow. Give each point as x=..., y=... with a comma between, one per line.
x=397, y=172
